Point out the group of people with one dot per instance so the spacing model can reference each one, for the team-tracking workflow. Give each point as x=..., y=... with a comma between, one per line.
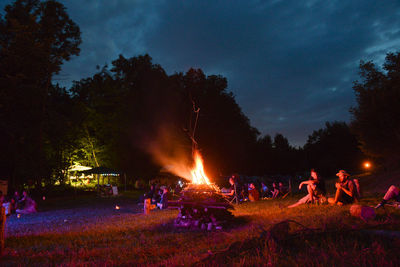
x=18, y=203
x=347, y=190
x=250, y=192
x=158, y=196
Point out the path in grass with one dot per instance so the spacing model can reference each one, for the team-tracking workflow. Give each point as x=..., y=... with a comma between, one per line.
x=75, y=215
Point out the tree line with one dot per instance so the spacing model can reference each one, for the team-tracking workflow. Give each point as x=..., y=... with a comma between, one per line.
x=127, y=112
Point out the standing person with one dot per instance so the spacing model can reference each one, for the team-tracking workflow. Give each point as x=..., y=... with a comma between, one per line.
x=345, y=190
x=392, y=193
x=163, y=204
x=315, y=188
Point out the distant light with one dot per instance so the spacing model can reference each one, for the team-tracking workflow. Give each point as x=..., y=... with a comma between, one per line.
x=367, y=165
x=18, y=215
x=117, y=207
x=44, y=198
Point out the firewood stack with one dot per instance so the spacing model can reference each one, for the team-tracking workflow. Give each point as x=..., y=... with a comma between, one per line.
x=202, y=206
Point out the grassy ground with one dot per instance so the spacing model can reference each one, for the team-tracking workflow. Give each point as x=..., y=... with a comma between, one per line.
x=264, y=233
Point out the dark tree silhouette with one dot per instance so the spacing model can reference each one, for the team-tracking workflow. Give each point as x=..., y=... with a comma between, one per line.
x=35, y=39
x=376, y=118
x=333, y=148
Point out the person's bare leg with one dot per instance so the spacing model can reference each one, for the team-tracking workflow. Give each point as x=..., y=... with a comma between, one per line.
x=337, y=195
x=392, y=192
x=301, y=201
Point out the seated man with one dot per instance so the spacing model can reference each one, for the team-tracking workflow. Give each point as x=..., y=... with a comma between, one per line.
x=315, y=188
x=254, y=195
x=392, y=193
x=345, y=190
x=231, y=194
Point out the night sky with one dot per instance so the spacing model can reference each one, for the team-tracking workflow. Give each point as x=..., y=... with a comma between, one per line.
x=290, y=64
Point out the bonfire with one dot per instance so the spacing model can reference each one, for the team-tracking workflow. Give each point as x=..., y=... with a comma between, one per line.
x=201, y=204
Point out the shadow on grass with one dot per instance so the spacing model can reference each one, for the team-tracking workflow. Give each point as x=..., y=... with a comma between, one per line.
x=331, y=247
x=236, y=222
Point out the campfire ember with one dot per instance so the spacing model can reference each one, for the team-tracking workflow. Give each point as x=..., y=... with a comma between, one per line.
x=201, y=204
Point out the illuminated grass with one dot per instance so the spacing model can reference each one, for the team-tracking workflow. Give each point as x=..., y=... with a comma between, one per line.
x=125, y=238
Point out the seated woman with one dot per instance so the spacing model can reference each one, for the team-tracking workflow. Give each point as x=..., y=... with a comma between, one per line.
x=392, y=193
x=254, y=195
x=315, y=188
x=346, y=191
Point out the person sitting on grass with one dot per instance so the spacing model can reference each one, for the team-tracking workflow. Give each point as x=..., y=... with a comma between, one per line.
x=283, y=190
x=345, y=190
x=254, y=195
x=275, y=190
x=265, y=191
x=29, y=205
x=315, y=188
x=392, y=193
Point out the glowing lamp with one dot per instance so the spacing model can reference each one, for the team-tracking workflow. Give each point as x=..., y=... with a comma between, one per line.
x=367, y=165
x=117, y=207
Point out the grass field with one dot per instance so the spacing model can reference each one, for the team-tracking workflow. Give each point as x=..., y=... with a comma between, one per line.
x=264, y=233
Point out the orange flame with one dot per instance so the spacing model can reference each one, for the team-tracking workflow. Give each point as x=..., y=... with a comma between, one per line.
x=198, y=174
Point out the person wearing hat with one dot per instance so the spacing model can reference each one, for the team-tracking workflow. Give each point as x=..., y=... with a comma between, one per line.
x=345, y=190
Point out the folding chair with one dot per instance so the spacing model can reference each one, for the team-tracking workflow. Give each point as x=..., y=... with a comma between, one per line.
x=235, y=196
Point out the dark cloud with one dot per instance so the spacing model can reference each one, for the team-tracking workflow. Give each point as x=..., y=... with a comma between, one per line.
x=290, y=63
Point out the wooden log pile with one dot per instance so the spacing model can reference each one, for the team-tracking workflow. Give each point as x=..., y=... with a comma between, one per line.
x=202, y=207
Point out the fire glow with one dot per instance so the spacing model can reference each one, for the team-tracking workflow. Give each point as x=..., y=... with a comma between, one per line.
x=198, y=174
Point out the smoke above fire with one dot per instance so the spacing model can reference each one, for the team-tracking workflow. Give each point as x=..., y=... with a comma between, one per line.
x=173, y=150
